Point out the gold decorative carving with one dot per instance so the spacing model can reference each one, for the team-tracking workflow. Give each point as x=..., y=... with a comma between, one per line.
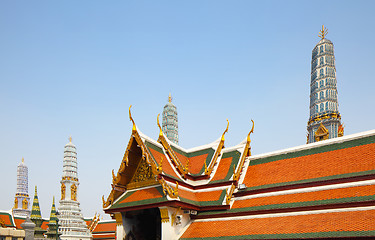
x=168, y=190
x=322, y=133
x=208, y=170
x=164, y=215
x=131, y=119
x=2, y=223
x=323, y=32
x=230, y=194
x=25, y=204
x=143, y=172
x=73, y=191
x=340, y=132
x=114, y=178
x=118, y=218
x=63, y=188
x=246, y=153
x=157, y=120
x=16, y=203
x=173, y=217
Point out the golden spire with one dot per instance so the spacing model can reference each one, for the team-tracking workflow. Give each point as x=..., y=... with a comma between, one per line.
x=23, y=160
x=323, y=33
x=70, y=139
x=170, y=98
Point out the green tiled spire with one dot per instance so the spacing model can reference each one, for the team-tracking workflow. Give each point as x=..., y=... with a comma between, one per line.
x=35, y=211
x=36, y=217
x=52, y=225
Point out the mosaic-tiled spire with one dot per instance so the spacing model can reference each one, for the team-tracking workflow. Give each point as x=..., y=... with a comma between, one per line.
x=36, y=216
x=52, y=225
x=170, y=121
x=71, y=223
x=325, y=120
x=22, y=199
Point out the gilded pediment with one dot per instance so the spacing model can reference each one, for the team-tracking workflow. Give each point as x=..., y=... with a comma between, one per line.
x=143, y=176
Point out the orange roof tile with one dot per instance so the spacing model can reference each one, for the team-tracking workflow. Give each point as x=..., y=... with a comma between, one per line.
x=105, y=227
x=18, y=222
x=197, y=163
x=222, y=169
x=167, y=168
x=312, y=223
x=200, y=196
x=342, y=161
x=143, y=194
x=307, y=196
x=7, y=219
x=183, y=159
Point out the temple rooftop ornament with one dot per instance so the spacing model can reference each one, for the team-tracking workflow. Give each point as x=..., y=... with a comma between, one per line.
x=323, y=32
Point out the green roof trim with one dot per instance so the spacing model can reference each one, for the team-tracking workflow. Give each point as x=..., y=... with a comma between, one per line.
x=315, y=150
x=140, y=202
x=311, y=180
x=293, y=235
x=293, y=205
x=235, y=155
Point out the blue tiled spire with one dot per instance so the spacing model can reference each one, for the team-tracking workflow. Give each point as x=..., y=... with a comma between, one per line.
x=170, y=121
x=325, y=120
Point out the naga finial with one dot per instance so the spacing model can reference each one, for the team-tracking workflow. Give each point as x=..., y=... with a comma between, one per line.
x=251, y=131
x=323, y=33
x=226, y=130
x=131, y=118
x=161, y=132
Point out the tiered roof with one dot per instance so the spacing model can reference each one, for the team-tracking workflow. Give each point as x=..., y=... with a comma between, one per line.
x=308, y=191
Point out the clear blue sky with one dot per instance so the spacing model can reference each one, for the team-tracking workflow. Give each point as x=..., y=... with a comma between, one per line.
x=74, y=67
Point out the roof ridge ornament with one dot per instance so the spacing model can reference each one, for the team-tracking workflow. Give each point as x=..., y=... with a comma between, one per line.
x=323, y=33
x=226, y=130
x=131, y=119
x=161, y=131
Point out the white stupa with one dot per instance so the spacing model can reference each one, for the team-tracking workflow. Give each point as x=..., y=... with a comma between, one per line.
x=71, y=223
x=22, y=199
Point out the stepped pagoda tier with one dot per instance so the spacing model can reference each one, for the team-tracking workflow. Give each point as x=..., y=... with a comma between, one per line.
x=320, y=190
x=170, y=121
x=71, y=223
x=325, y=119
x=22, y=199
x=36, y=217
x=52, y=224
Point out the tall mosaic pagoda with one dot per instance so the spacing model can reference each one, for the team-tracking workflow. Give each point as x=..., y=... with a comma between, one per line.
x=325, y=119
x=170, y=121
x=72, y=226
x=22, y=199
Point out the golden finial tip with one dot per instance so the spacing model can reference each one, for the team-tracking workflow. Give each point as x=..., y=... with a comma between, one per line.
x=170, y=98
x=323, y=33
x=70, y=139
x=23, y=160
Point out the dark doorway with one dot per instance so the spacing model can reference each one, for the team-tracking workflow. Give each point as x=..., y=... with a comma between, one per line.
x=147, y=224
